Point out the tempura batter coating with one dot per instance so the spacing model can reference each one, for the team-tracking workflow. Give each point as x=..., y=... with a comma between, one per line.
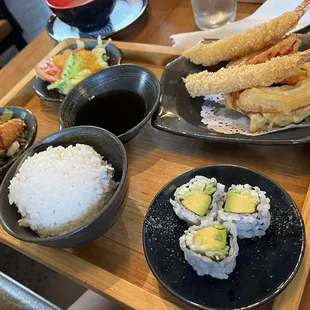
x=233, y=79
x=268, y=107
x=248, y=41
x=9, y=132
x=288, y=45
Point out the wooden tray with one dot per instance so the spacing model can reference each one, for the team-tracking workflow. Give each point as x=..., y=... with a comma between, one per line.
x=114, y=265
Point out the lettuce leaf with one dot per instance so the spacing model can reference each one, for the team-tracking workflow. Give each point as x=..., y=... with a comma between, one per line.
x=100, y=52
x=7, y=115
x=66, y=84
x=72, y=66
x=80, y=76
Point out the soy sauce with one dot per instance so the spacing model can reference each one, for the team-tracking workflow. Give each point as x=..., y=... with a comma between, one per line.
x=117, y=111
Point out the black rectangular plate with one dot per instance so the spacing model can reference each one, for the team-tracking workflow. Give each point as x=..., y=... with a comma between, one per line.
x=179, y=114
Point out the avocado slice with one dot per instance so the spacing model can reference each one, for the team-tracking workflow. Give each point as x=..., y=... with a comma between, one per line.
x=199, y=203
x=212, y=237
x=210, y=191
x=237, y=203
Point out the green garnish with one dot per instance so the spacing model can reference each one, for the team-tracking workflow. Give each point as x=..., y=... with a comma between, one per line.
x=218, y=236
x=209, y=191
x=219, y=227
x=24, y=135
x=7, y=115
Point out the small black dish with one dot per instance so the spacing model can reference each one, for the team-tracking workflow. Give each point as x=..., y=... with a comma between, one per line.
x=265, y=265
x=125, y=12
x=125, y=77
x=40, y=86
x=179, y=114
x=90, y=15
x=106, y=144
x=31, y=127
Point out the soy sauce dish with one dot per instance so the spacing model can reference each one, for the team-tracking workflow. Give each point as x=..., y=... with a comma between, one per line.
x=223, y=237
x=120, y=99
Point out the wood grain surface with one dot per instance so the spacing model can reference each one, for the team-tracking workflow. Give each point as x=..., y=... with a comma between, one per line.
x=114, y=265
x=161, y=19
x=116, y=260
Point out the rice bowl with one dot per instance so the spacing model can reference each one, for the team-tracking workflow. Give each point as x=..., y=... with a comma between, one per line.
x=59, y=189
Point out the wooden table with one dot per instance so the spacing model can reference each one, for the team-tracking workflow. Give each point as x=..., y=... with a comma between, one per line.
x=118, y=270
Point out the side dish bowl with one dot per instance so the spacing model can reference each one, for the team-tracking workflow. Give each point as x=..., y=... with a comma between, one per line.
x=53, y=95
x=107, y=145
x=31, y=128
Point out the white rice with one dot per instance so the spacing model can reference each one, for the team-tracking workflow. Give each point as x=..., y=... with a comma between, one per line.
x=59, y=189
x=249, y=225
x=197, y=184
x=204, y=265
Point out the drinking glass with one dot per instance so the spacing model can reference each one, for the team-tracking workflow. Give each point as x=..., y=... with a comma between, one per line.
x=213, y=13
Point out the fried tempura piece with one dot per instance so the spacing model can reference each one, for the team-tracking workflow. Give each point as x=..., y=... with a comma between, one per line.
x=267, y=121
x=267, y=107
x=301, y=75
x=9, y=132
x=233, y=79
x=288, y=45
x=248, y=41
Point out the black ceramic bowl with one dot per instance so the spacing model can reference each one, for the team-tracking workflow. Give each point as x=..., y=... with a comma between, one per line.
x=53, y=95
x=31, y=127
x=127, y=77
x=105, y=144
x=87, y=17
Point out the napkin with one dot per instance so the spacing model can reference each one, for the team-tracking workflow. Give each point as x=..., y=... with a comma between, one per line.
x=268, y=10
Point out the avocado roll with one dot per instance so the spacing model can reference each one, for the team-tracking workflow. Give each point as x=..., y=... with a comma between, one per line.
x=198, y=199
x=248, y=208
x=211, y=248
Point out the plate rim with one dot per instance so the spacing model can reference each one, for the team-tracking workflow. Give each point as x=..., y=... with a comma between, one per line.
x=53, y=17
x=263, y=301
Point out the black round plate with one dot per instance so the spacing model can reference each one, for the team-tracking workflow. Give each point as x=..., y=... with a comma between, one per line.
x=264, y=265
x=53, y=95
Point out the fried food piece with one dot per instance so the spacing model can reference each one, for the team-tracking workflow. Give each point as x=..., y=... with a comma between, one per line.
x=9, y=132
x=267, y=107
x=288, y=45
x=233, y=79
x=248, y=41
x=301, y=75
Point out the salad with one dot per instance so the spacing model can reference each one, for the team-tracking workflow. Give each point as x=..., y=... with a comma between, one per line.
x=13, y=135
x=66, y=70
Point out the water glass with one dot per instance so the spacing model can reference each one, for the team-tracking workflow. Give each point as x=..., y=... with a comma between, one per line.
x=214, y=13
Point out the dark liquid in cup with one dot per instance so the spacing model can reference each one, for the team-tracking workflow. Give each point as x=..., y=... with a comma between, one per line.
x=117, y=111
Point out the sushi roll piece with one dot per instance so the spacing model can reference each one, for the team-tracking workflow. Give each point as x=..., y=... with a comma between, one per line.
x=247, y=207
x=198, y=199
x=211, y=248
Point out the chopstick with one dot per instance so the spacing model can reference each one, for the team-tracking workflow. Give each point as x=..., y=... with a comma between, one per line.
x=290, y=298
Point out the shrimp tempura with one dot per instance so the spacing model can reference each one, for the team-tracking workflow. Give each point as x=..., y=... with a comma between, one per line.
x=233, y=79
x=248, y=41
